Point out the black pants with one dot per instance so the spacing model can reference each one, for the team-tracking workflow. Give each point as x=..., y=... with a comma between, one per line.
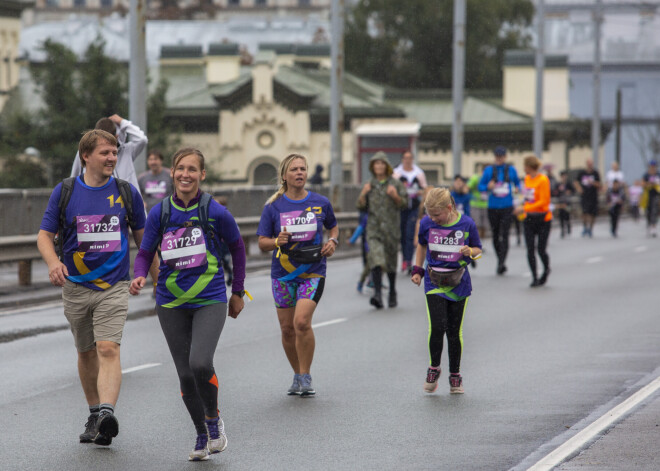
x=192, y=335
x=537, y=232
x=500, y=224
x=565, y=221
x=615, y=212
x=445, y=318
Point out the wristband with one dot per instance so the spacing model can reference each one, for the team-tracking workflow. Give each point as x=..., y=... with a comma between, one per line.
x=417, y=270
x=334, y=240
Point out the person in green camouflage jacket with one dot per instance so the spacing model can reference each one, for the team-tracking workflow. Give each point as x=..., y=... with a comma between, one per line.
x=382, y=197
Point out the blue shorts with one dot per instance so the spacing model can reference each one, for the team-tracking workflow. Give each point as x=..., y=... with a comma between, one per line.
x=286, y=293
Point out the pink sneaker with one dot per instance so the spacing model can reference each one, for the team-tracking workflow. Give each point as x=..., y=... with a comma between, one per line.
x=431, y=384
x=456, y=384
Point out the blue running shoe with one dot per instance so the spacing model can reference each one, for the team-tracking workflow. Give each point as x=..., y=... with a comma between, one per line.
x=306, y=388
x=359, y=287
x=294, y=390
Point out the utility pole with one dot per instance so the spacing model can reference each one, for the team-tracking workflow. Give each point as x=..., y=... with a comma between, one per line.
x=617, y=156
x=458, y=81
x=595, y=121
x=137, y=88
x=336, y=100
x=540, y=69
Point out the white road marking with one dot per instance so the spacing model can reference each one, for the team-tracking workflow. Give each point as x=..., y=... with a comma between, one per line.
x=641, y=248
x=140, y=367
x=334, y=321
x=588, y=433
x=595, y=259
x=32, y=308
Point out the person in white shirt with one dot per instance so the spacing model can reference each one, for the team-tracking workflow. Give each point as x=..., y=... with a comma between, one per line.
x=414, y=181
x=613, y=174
x=131, y=141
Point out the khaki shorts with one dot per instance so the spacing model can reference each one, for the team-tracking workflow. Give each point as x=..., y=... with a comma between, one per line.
x=95, y=315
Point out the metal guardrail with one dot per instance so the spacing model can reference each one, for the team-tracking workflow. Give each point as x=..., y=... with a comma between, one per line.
x=23, y=250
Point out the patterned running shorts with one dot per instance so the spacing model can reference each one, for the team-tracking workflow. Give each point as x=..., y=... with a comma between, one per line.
x=286, y=293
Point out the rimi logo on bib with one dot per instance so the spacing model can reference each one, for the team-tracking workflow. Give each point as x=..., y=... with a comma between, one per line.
x=445, y=244
x=184, y=248
x=98, y=233
x=301, y=224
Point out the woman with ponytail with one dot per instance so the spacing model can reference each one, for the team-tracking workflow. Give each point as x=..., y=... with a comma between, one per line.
x=291, y=226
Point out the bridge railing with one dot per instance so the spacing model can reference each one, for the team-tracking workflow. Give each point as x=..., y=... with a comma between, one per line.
x=22, y=249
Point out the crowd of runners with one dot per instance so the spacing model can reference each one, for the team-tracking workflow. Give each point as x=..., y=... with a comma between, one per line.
x=185, y=238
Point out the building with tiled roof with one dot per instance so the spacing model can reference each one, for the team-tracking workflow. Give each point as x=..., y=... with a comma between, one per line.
x=247, y=122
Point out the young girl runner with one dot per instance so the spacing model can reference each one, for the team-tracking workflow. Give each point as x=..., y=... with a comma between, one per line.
x=448, y=241
x=292, y=225
x=191, y=300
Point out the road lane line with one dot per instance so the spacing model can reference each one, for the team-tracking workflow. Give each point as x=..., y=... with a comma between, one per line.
x=32, y=308
x=641, y=248
x=140, y=367
x=334, y=321
x=595, y=259
x=588, y=433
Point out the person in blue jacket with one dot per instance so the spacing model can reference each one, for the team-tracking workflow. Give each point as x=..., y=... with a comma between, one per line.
x=500, y=180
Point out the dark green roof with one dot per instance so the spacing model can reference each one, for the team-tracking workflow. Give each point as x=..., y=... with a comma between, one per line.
x=528, y=58
x=224, y=49
x=181, y=51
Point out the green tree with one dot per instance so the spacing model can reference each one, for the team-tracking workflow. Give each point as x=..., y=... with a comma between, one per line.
x=163, y=135
x=75, y=94
x=409, y=44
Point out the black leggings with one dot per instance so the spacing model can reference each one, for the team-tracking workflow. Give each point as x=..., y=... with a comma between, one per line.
x=537, y=228
x=445, y=317
x=500, y=224
x=192, y=335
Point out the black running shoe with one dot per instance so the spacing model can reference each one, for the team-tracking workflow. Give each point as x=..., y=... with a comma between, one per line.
x=106, y=428
x=391, y=302
x=377, y=301
x=88, y=435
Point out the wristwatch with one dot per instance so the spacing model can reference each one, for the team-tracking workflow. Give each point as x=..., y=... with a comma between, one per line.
x=240, y=293
x=334, y=239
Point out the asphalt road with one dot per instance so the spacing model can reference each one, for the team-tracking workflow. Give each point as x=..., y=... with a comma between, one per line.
x=536, y=364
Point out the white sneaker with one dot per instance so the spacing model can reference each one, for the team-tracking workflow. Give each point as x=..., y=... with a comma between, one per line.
x=217, y=436
x=201, y=450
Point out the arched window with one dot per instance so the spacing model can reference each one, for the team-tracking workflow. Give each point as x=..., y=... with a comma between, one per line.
x=265, y=174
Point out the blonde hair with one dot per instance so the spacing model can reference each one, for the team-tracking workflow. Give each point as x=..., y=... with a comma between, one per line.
x=439, y=198
x=284, y=167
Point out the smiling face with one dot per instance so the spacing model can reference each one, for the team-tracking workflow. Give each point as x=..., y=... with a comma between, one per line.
x=101, y=162
x=187, y=175
x=296, y=174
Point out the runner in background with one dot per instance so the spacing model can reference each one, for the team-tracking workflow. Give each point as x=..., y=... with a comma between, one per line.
x=414, y=181
x=616, y=197
x=500, y=180
x=565, y=190
x=588, y=185
x=538, y=217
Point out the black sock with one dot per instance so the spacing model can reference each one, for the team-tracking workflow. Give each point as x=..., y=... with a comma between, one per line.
x=95, y=409
x=376, y=276
x=392, y=277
